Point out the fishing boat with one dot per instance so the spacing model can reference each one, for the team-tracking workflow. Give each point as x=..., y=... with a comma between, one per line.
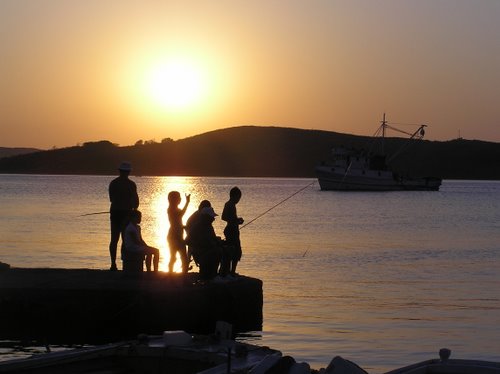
x=352, y=169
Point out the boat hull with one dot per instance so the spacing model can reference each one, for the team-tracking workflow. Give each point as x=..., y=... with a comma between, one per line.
x=151, y=354
x=331, y=180
x=452, y=366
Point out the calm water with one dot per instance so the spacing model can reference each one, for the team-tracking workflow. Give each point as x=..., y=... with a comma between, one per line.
x=383, y=279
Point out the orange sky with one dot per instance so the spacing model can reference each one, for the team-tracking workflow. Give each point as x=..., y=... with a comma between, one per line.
x=73, y=71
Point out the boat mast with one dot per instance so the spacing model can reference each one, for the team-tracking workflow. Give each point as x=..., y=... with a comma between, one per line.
x=381, y=131
x=384, y=126
x=379, y=136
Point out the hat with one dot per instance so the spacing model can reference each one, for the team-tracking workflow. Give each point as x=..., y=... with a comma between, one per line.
x=125, y=166
x=209, y=211
x=204, y=204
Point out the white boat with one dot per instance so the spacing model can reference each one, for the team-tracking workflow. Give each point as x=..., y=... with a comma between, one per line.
x=445, y=365
x=360, y=170
x=441, y=365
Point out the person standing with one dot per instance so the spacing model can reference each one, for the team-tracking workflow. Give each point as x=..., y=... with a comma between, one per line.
x=175, y=236
x=232, y=229
x=124, y=199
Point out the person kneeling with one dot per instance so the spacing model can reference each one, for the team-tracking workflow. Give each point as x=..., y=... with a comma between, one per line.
x=134, y=244
x=204, y=244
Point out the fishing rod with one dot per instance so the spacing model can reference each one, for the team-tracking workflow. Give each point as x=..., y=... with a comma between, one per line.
x=92, y=214
x=281, y=202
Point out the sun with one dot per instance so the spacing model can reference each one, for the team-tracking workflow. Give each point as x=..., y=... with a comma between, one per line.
x=175, y=84
x=178, y=89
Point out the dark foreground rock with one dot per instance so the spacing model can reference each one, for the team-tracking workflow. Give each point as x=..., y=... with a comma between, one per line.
x=95, y=306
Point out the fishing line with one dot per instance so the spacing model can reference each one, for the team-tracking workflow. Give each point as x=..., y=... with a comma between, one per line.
x=281, y=202
x=345, y=175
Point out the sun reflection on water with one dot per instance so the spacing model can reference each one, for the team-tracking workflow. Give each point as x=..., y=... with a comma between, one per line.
x=155, y=223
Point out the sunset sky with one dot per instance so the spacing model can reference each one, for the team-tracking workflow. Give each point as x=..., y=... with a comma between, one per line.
x=73, y=71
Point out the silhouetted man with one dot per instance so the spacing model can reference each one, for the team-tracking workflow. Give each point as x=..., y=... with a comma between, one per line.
x=124, y=199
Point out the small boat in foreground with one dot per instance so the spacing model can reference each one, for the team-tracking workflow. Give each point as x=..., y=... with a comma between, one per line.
x=181, y=353
x=173, y=352
x=359, y=170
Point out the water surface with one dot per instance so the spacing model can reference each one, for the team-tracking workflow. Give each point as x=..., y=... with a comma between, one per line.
x=382, y=278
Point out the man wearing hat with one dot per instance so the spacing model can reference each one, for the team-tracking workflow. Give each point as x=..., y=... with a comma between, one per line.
x=124, y=199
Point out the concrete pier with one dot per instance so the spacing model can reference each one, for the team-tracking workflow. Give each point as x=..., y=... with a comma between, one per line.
x=96, y=306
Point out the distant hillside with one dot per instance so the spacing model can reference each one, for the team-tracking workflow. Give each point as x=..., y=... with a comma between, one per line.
x=259, y=151
x=8, y=152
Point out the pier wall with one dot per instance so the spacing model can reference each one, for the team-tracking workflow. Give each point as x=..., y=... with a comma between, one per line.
x=95, y=306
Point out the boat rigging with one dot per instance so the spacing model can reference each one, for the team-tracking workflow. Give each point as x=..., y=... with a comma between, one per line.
x=358, y=170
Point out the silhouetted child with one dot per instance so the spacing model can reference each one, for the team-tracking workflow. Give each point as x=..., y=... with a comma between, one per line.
x=133, y=242
x=232, y=232
x=175, y=236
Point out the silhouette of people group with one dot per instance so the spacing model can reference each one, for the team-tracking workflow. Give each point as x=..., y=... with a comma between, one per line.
x=215, y=257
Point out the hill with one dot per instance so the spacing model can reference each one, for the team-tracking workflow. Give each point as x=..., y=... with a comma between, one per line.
x=8, y=152
x=249, y=151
